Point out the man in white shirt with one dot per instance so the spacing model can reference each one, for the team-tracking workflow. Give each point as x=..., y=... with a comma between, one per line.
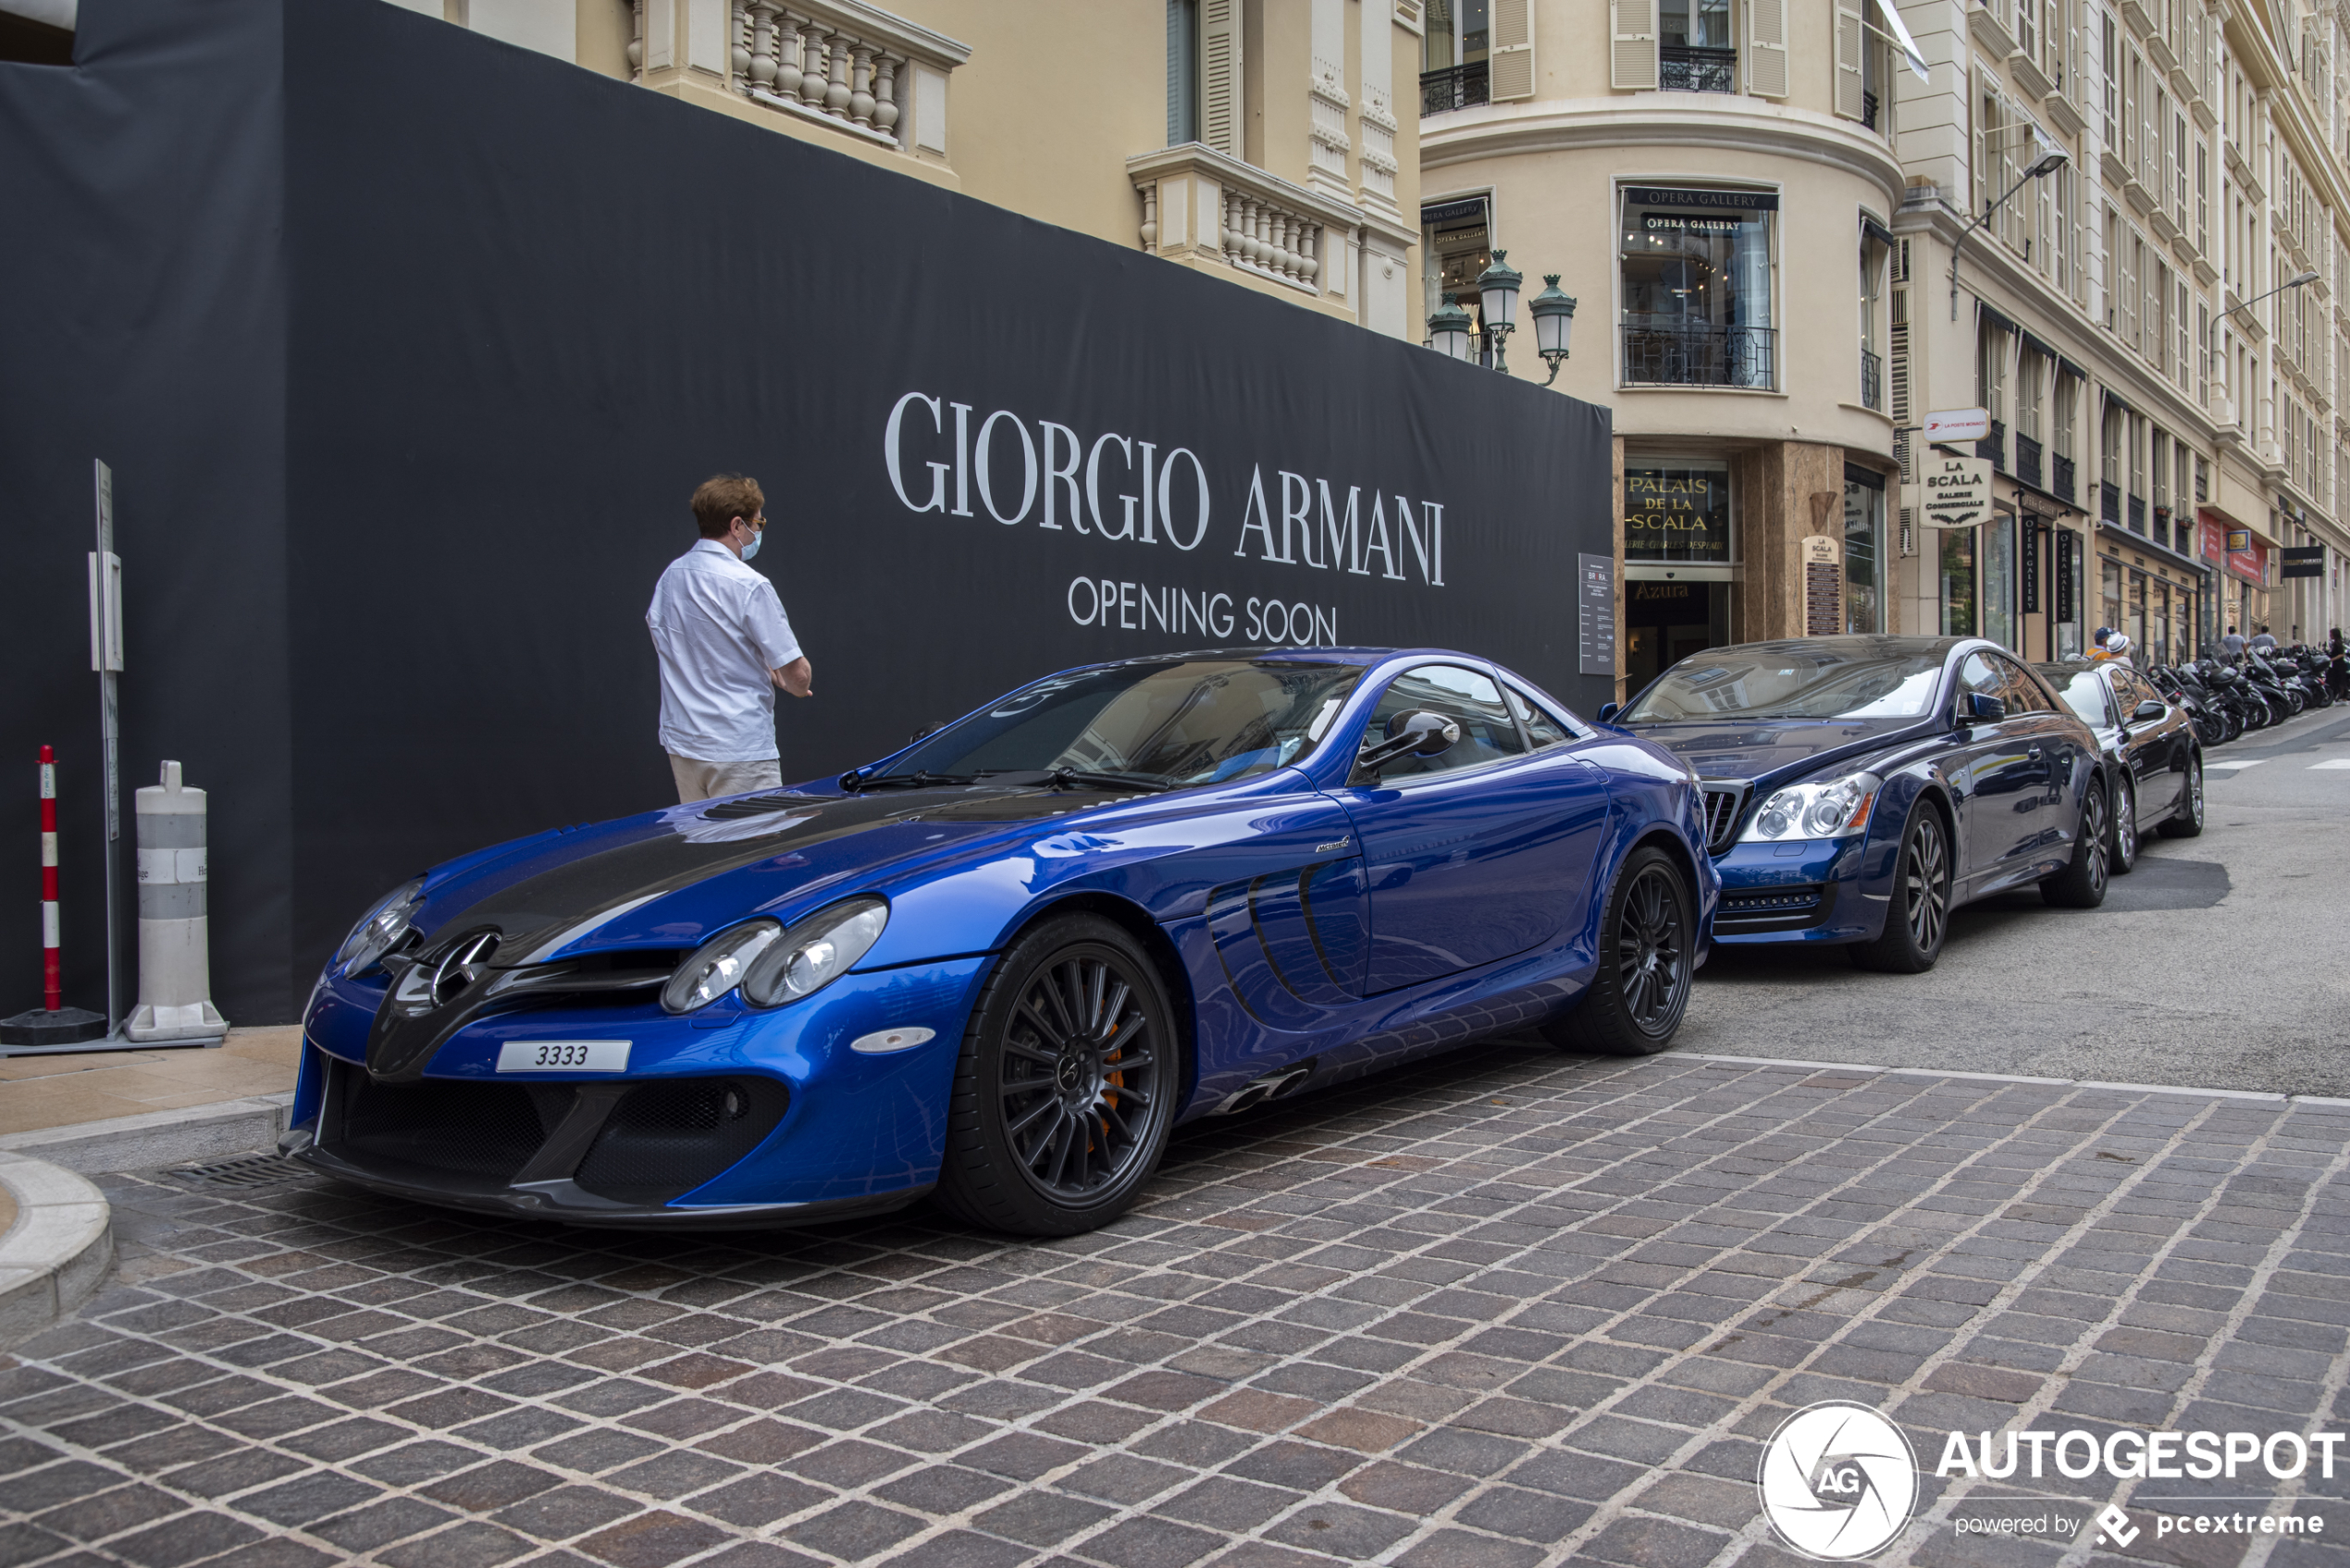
x=725, y=649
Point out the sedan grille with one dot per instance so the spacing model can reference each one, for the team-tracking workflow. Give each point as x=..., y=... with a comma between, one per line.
x=1723, y=801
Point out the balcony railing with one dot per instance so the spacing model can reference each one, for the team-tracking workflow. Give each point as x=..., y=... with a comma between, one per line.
x=854, y=68
x=1682, y=68
x=1454, y=87
x=1699, y=355
x=1207, y=207
x=2109, y=502
x=1868, y=110
x=2027, y=460
x=2137, y=515
x=1872, y=380
x=2062, y=488
x=1995, y=446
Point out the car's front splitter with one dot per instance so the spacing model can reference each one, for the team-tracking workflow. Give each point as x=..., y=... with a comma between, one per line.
x=1814, y=890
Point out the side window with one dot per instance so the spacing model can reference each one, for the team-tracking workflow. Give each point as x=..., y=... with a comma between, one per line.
x=1487, y=734
x=2136, y=689
x=1976, y=674
x=1541, y=727
x=2020, y=691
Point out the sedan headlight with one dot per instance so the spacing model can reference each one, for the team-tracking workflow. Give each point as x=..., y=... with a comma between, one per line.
x=380, y=929
x=815, y=952
x=1815, y=811
x=718, y=965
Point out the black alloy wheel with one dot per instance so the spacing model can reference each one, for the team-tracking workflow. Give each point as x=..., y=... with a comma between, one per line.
x=1065, y=1091
x=1917, y=918
x=1639, y=989
x=2187, y=820
x=2082, y=883
x=2122, y=845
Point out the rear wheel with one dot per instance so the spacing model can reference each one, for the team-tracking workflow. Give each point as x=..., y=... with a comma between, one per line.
x=2081, y=886
x=1066, y=1087
x=1917, y=918
x=2187, y=820
x=2121, y=842
x=1640, y=989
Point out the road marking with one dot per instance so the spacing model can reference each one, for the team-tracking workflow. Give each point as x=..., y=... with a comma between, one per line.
x=2240, y=762
x=1999, y=1077
x=2331, y=762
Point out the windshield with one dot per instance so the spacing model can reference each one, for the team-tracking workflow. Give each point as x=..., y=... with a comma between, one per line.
x=1777, y=681
x=1196, y=722
x=2082, y=691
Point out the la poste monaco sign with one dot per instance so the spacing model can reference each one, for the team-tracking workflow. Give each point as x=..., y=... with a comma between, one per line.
x=1958, y=425
x=1953, y=492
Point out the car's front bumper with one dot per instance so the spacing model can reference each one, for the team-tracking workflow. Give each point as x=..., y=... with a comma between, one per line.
x=728, y=1118
x=1815, y=890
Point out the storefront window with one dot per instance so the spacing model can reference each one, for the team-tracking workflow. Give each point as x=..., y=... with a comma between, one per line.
x=1999, y=579
x=1863, y=548
x=1455, y=245
x=2136, y=623
x=1677, y=511
x=1958, y=582
x=1697, y=287
x=2109, y=595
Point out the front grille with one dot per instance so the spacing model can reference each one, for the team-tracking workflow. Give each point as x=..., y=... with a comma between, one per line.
x=666, y=1138
x=1770, y=909
x=1723, y=804
x=483, y=1132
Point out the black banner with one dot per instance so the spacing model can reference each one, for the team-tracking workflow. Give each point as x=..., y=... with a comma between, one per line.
x=2068, y=545
x=2031, y=583
x=2300, y=560
x=390, y=538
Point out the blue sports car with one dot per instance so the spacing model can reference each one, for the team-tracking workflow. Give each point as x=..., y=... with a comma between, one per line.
x=1860, y=788
x=997, y=967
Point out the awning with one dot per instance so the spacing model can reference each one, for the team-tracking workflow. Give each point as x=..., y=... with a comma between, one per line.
x=1908, y=45
x=1872, y=229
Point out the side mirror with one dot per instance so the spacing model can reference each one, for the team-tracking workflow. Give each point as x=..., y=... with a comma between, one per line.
x=1981, y=710
x=2147, y=711
x=1608, y=710
x=1413, y=735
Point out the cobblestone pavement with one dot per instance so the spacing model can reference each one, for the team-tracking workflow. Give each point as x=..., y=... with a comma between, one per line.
x=1506, y=1308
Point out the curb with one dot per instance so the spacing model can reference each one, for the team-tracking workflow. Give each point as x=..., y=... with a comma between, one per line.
x=58, y=1250
x=186, y=1136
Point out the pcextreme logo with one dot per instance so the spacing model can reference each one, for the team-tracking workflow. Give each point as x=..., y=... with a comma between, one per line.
x=1838, y=1481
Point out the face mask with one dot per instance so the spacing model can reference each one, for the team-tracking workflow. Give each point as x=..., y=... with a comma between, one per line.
x=752, y=549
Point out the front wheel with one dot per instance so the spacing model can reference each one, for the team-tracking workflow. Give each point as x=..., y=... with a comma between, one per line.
x=1917, y=916
x=2187, y=820
x=2121, y=842
x=2081, y=886
x=1641, y=989
x=1066, y=1087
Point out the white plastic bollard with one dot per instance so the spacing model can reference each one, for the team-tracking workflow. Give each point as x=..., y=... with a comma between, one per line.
x=175, y=940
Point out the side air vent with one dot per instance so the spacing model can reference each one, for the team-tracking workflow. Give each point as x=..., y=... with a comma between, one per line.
x=668, y=1137
x=1724, y=802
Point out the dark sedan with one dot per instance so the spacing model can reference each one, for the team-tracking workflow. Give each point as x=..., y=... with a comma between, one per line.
x=2152, y=757
x=1858, y=788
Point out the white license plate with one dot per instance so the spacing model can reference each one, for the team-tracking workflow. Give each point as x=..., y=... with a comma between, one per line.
x=564, y=1055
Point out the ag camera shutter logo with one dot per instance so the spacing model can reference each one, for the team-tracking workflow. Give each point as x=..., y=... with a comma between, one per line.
x=1838, y=1481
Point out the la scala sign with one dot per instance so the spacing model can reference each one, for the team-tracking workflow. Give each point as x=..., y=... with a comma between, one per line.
x=1952, y=492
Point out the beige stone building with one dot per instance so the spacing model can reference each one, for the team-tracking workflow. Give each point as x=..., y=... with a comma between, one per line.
x=1271, y=142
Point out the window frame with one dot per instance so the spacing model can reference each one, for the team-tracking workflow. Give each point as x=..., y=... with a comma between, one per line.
x=1357, y=779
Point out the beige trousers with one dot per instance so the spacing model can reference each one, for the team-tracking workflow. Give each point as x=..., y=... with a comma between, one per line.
x=702, y=781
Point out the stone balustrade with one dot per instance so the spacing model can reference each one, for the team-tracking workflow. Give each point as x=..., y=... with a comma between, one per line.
x=1207, y=206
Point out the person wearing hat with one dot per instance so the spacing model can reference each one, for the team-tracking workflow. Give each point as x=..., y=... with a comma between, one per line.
x=2113, y=644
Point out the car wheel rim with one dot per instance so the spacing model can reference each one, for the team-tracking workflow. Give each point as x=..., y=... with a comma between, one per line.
x=1652, y=951
x=1080, y=1077
x=2195, y=791
x=2093, y=839
x=2125, y=824
x=1924, y=868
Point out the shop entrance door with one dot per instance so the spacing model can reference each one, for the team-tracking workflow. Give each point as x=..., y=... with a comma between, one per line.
x=1666, y=621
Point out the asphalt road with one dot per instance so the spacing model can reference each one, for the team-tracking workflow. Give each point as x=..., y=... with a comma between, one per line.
x=2221, y=962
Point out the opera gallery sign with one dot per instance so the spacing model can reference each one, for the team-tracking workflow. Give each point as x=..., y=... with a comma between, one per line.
x=1142, y=495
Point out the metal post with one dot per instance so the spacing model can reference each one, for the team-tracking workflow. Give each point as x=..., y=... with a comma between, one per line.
x=106, y=658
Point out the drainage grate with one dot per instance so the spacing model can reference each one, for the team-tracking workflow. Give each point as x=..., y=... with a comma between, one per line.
x=253, y=1170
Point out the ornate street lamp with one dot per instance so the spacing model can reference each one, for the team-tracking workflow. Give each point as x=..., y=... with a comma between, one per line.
x=1553, y=315
x=1497, y=288
x=1448, y=329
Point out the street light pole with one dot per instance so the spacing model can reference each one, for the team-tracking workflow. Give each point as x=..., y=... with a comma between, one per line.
x=2295, y=281
x=2047, y=166
x=1497, y=286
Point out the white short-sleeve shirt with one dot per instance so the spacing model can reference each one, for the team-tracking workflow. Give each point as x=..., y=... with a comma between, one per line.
x=719, y=629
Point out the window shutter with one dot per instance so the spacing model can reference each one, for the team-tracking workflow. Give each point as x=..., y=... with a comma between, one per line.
x=1219, y=74
x=1766, y=48
x=1511, y=75
x=1632, y=47
x=1851, y=40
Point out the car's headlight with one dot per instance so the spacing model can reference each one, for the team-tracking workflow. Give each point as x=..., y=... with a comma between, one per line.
x=1815, y=811
x=718, y=965
x=379, y=929
x=815, y=952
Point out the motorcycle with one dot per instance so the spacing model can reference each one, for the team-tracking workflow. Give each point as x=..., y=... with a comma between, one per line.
x=2211, y=726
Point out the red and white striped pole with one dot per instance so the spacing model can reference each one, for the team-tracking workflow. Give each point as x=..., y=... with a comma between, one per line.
x=52, y=986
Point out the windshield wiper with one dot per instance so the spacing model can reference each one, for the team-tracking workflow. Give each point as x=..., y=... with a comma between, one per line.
x=1063, y=777
x=922, y=778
